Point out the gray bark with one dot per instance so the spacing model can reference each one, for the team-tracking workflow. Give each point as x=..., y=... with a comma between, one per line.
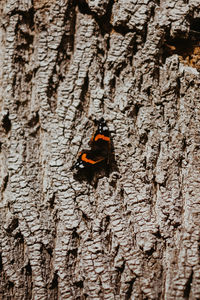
x=135, y=234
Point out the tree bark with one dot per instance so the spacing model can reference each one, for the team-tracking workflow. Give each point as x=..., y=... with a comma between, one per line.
x=134, y=234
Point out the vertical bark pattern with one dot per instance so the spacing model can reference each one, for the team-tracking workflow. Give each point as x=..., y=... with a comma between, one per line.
x=135, y=233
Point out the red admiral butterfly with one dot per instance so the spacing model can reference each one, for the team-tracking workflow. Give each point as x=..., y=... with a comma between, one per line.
x=100, y=144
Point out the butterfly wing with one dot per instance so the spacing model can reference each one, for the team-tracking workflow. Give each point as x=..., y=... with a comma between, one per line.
x=87, y=159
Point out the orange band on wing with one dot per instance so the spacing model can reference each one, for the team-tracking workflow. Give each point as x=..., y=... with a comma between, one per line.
x=102, y=137
x=84, y=158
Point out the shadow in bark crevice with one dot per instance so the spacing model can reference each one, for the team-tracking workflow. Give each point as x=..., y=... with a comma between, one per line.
x=185, y=45
x=103, y=21
x=130, y=289
x=6, y=123
x=188, y=285
x=54, y=283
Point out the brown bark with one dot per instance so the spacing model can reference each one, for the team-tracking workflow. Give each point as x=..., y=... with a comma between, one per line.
x=135, y=234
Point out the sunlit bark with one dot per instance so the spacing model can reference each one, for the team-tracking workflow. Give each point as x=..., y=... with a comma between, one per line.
x=129, y=234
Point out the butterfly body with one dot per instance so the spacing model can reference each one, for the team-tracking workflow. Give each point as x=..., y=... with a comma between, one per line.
x=100, y=145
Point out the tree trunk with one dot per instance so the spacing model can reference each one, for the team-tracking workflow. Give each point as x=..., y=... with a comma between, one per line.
x=135, y=232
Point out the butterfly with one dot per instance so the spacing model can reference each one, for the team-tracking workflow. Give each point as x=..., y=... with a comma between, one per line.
x=100, y=147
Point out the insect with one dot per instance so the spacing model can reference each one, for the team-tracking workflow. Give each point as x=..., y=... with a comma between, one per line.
x=98, y=155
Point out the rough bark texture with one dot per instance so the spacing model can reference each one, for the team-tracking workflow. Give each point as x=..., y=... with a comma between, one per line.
x=136, y=233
